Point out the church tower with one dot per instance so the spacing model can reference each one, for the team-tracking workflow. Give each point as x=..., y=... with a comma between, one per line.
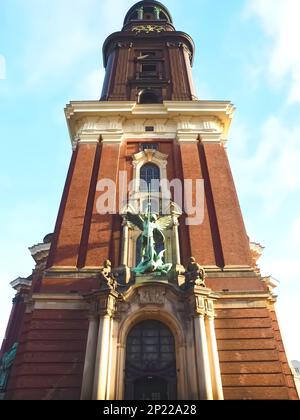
x=149, y=288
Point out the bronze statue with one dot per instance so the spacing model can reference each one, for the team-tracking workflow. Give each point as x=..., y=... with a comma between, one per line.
x=5, y=366
x=195, y=273
x=152, y=228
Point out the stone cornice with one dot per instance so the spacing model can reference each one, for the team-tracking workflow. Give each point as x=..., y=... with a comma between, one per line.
x=20, y=282
x=40, y=251
x=93, y=121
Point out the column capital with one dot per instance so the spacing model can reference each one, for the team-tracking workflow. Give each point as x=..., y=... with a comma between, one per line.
x=202, y=300
x=88, y=138
x=213, y=138
x=102, y=304
x=187, y=138
x=112, y=138
x=107, y=305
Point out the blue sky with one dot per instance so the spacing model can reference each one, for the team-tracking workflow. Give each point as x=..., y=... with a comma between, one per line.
x=246, y=51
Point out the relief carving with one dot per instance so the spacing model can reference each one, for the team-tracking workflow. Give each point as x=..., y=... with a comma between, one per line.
x=93, y=124
x=200, y=304
x=199, y=124
x=152, y=296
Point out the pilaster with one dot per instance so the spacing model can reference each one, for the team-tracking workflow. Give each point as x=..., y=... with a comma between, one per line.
x=206, y=352
x=106, y=306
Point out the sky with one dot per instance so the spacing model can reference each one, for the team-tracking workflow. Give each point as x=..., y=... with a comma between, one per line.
x=246, y=51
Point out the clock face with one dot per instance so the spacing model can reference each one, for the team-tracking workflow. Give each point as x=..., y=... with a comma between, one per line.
x=148, y=29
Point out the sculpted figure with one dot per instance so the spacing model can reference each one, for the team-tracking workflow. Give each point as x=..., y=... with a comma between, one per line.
x=195, y=273
x=108, y=275
x=5, y=366
x=152, y=227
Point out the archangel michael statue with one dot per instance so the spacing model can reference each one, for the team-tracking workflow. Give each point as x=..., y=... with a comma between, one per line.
x=152, y=227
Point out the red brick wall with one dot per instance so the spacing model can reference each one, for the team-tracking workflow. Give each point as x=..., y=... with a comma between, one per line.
x=250, y=360
x=70, y=230
x=50, y=357
x=200, y=236
x=85, y=239
x=100, y=229
x=14, y=325
x=234, y=240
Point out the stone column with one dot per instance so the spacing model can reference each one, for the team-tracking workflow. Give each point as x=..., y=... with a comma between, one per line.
x=182, y=374
x=140, y=13
x=121, y=356
x=216, y=372
x=102, y=359
x=90, y=357
x=176, y=242
x=102, y=365
x=202, y=358
x=156, y=12
x=125, y=239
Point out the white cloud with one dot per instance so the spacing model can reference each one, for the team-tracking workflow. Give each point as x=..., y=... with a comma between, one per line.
x=280, y=22
x=271, y=173
x=266, y=166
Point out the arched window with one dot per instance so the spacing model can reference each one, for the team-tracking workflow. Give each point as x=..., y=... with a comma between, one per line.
x=148, y=97
x=134, y=15
x=149, y=13
x=163, y=16
x=150, y=174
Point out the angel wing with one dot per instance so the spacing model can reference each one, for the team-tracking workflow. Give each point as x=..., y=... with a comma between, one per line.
x=164, y=223
x=136, y=220
x=158, y=236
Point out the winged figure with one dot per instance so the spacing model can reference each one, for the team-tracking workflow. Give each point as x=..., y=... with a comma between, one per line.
x=152, y=228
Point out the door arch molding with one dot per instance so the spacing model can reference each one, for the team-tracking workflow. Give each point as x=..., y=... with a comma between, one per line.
x=153, y=313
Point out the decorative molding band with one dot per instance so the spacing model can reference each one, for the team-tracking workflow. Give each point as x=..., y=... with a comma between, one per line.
x=245, y=304
x=238, y=268
x=114, y=121
x=244, y=295
x=71, y=272
x=57, y=297
x=57, y=302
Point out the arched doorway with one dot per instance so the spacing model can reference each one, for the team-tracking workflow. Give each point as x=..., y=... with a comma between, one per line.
x=150, y=372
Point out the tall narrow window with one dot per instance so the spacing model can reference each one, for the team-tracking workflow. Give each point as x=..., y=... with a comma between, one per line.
x=150, y=178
